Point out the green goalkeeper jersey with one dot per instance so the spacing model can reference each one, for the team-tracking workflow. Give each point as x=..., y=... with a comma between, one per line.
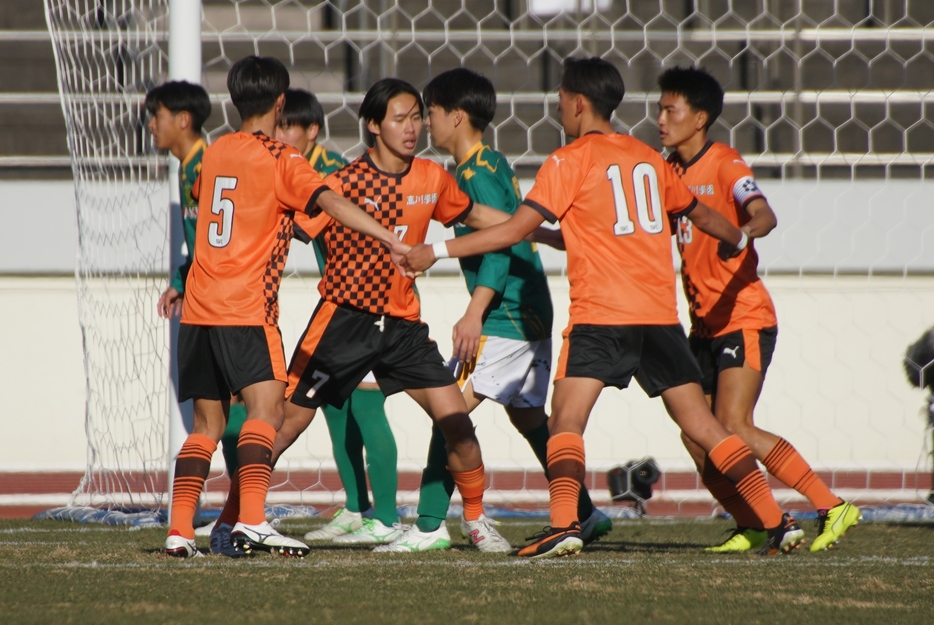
x=187, y=174
x=521, y=308
x=324, y=162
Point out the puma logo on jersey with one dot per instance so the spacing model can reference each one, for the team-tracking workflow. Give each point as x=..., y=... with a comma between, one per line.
x=557, y=160
x=371, y=202
x=296, y=156
x=731, y=352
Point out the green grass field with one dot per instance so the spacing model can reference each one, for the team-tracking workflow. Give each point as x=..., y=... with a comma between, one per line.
x=644, y=571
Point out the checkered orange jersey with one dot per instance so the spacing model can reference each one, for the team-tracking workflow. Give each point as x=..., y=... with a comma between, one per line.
x=248, y=189
x=359, y=272
x=614, y=196
x=723, y=296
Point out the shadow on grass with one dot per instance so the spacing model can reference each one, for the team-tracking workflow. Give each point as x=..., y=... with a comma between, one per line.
x=628, y=546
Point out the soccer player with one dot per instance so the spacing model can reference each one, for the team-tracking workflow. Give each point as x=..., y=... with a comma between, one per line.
x=361, y=421
x=614, y=196
x=177, y=112
x=733, y=323
x=368, y=318
x=502, y=344
x=249, y=188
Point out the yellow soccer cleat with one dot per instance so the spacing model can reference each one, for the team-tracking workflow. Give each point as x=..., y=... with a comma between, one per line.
x=833, y=524
x=742, y=539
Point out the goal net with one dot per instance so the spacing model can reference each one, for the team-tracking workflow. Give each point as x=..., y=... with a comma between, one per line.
x=827, y=101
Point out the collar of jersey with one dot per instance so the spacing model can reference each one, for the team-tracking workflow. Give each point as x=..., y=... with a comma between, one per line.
x=477, y=147
x=370, y=163
x=697, y=156
x=198, y=146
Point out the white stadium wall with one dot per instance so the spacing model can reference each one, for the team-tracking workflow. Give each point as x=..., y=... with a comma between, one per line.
x=835, y=388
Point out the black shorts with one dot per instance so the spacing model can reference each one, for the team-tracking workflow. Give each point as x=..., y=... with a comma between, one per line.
x=752, y=347
x=658, y=356
x=217, y=361
x=342, y=344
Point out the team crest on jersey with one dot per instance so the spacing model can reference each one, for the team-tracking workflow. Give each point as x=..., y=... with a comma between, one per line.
x=426, y=198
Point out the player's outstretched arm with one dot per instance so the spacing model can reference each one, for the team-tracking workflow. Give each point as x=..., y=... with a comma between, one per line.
x=351, y=216
x=713, y=223
x=496, y=237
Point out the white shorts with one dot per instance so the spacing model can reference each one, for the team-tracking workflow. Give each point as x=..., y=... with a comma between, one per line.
x=510, y=372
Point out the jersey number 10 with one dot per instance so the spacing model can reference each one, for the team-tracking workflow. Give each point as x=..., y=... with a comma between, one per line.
x=648, y=200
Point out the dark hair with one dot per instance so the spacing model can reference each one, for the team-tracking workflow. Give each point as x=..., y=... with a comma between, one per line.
x=376, y=101
x=463, y=89
x=701, y=90
x=597, y=80
x=178, y=96
x=919, y=361
x=302, y=108
x=255, y=82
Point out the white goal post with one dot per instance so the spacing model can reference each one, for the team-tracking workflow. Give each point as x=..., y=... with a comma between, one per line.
x=829, y=102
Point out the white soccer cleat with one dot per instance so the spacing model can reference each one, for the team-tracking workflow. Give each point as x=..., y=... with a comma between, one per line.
x=343, y=522
x=221, y=544
x=484, y=536
x=181, y=547
x=370, y=532
x=264, y=537
x=205, y=530
x=416, y=541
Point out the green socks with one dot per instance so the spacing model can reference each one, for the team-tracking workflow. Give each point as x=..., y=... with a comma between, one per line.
x=235, y=419
x=437, y=486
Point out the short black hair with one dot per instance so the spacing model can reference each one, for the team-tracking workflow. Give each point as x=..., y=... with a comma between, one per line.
x=463, y=89
x=700, y=90
x=302, y=109
x=376, y=101
x=919, y=361
x=255, y=82
x=597, y=80
x=178, y=96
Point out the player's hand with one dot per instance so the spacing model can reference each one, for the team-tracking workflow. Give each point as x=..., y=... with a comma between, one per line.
x=726, y=251
x=552, y=237
x=170, y=303
x=397, y=252
x=419, y=258
x=466, y=337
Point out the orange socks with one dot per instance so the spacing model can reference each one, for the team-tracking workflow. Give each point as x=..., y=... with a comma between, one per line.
x=470, y=484
x=734, y=460
x=566, y=470
x=725, y=492
x=191, y=469
x=232, y=506
x=785, y=463
x=254, y=455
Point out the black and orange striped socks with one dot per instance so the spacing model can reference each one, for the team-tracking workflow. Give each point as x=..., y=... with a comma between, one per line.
x=191, y=469
x=733, y=459
x=786, y=464
x=566, y=470
x=254, y=455
x=725, y=492
x=470, y=484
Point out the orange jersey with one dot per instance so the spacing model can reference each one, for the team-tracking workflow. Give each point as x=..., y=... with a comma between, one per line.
x=614, y=196
x=248, y=189
x=724, y=296
x=360, y=272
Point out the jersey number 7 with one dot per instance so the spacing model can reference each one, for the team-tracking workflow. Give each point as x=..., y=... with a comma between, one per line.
x=648, y=200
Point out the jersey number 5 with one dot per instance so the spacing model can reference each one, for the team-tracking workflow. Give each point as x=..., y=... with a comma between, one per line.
x=648, y=200
x=219, y=234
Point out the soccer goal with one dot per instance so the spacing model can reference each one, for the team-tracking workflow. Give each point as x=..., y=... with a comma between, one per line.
x=829, y=103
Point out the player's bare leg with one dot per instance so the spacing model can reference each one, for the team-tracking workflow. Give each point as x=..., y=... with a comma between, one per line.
x=688, y=407
x=191, y=470
x=738, y=390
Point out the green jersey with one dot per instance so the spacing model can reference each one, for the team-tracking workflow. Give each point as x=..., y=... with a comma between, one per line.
x=324, y=162
x=187, y=174
x=521, y=308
